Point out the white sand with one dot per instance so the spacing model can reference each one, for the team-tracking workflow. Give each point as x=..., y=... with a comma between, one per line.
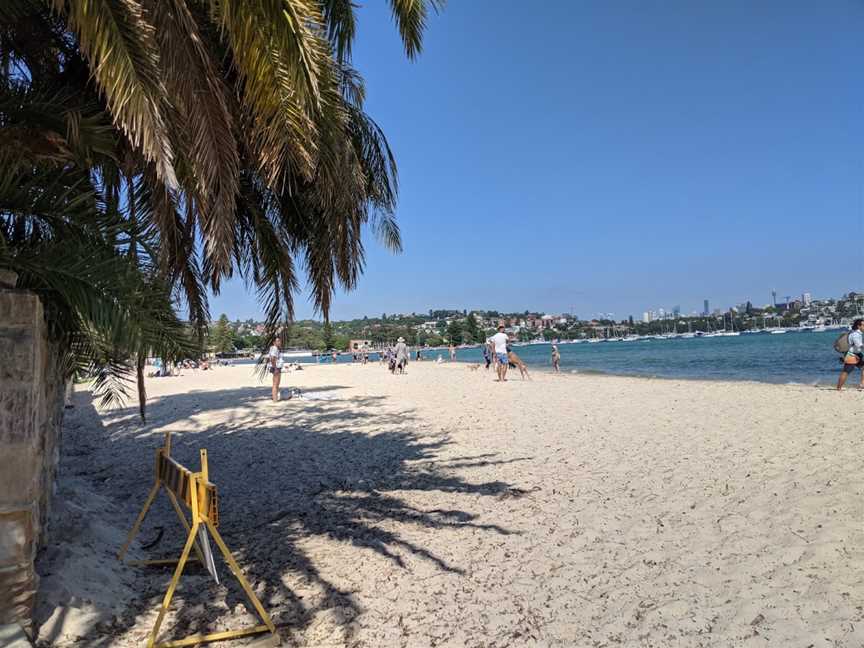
x=441, y=508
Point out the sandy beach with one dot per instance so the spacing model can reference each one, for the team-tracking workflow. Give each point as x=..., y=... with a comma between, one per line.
x=440, y=508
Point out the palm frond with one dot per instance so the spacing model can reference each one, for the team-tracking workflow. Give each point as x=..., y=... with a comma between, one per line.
x=341, y=26
x=53, y=125
x=280, y=53
x=118, y=40
x=410, y=17
x=199, y=93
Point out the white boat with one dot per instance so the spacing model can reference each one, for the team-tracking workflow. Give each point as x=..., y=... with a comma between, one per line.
x=301, y=353
x=778, y=331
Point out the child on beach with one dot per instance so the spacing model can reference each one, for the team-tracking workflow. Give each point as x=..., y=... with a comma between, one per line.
x=556, y=358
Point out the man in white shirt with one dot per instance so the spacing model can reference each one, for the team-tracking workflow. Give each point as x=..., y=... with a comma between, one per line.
x=499, y=342
x=854, y=357
x=276, y=363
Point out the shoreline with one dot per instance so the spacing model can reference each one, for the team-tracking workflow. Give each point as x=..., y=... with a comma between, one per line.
x=607, y=374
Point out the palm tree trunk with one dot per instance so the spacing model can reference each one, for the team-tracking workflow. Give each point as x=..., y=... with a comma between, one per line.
x=142, y=394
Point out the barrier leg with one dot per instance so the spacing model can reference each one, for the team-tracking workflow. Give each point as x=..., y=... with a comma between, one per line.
x=198, y=551
x=135, y=527
x=235, y=569
x=173, y=585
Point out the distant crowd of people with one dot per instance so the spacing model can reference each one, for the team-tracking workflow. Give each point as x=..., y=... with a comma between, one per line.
x=162, y=368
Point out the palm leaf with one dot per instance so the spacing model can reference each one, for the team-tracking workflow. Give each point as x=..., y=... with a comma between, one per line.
x=117, y=39
x=200, y=94
x=410, y=17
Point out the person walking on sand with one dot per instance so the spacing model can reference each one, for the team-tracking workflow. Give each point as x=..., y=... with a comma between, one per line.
x=499, y=344
x=556, y=359
x=854, y=357
x=276, y=363
x=401, y=354
x=452, y=353
x=487, y=355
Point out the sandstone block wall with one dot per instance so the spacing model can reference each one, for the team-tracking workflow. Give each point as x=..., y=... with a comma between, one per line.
x=31, y=408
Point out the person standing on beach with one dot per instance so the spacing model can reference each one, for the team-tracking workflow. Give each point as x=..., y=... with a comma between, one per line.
x=401, y=354
x=276, y=363
x=487, y=355
x=556, y=358
x=452, y=353
x=499, y=344
x=854, y=356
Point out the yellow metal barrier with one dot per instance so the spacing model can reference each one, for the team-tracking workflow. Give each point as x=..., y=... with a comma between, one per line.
x=198, y=495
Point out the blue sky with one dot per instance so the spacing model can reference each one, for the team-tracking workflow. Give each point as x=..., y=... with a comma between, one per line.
x=601, y=157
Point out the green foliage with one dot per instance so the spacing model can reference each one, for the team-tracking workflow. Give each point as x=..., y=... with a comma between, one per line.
x=106, y=304
x=221, y=336
x=327, y=335
x=471, y=332
x=434, y=340
x=221, y=138
x=454, y=332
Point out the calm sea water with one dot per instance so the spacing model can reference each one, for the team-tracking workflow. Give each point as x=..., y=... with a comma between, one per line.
x=805, y=357
x=793, y=357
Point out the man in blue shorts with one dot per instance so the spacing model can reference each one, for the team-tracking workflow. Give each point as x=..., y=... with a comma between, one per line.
x=499, y=341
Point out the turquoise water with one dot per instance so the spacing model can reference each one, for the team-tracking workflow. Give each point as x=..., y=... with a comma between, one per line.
x=794, y=357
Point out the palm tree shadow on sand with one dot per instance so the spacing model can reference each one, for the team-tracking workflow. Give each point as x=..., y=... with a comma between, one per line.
x=286, y=473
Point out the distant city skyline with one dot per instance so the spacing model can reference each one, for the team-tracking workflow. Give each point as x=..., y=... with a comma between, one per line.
x=622, y=158
x=649, y=314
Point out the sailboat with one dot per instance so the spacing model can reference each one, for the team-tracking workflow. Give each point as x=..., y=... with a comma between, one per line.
x=733, y=332
x=689, y=333
x=709, y=333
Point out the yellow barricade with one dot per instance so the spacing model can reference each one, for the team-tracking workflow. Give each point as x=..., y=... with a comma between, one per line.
x=199, y=496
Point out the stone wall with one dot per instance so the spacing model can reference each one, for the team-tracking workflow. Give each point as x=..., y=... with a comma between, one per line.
x=31, y=409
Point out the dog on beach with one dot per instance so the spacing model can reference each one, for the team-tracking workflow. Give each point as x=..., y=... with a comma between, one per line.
x=515, y=361
x=473, y=367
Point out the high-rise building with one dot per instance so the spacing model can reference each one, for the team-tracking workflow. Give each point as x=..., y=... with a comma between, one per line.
x=676, y=311
x=806, y=298
x=646, y=317
x=661, y=313
x=705, y=309
x=773, y=297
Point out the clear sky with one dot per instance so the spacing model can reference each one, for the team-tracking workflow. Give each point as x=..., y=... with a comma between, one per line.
x=601, y=157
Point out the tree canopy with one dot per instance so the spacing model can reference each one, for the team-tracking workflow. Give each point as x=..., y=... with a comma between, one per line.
x=162, y=146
